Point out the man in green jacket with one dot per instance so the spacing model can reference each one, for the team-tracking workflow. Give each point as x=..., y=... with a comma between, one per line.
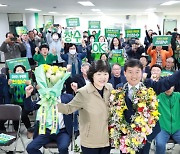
x=169, y=108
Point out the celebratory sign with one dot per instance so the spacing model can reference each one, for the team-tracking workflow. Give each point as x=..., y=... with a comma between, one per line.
x=4, y=138
x=99, y=47
x=18, y=78
x=117, y=56
x=110, y=33
x=21, y=30
x=94, y=24
x=72, y=22
x=132, y=33
x=11, y=63
x=163, y=40
x=71, y=36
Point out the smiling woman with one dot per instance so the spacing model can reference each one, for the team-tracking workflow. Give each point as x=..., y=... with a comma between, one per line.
x=92, y=102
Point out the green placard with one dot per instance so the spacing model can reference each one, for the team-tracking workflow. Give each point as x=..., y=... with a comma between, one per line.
x=72, y=22
x=72, y=36
x=19, y=78
x=133, y=33
x=163, y=40
x=94, y=24
x=99, y=47
x=166, y=73
x=11, y=63
x=4, y=138
x=117, y=53
x=21, y=30
x=110, y=33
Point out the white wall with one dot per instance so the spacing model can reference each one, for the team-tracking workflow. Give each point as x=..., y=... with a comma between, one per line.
x=4, y=26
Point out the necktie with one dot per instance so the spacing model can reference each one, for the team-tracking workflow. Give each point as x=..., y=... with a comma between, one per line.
x=132, y=93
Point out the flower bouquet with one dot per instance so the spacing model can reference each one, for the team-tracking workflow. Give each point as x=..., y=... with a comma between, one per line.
x=50, y=79
x=130, y=137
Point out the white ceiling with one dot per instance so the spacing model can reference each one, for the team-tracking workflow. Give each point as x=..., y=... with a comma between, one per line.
x=71, y=7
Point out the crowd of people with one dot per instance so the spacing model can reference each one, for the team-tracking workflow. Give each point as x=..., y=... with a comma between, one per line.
x=84, y=102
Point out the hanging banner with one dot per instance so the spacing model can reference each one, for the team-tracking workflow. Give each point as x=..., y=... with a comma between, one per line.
x=72, y=36
x=133, y=33
x=99, y=47
x=110, y=33
x=21, y=30
x=162, y=40
x=72, y=22
x=94, y=25
x=11, y=63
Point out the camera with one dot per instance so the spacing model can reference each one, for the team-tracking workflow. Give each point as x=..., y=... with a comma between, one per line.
x=13, y=39
x=55, y=25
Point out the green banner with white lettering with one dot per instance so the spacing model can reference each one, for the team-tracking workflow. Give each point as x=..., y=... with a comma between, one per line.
x=72, y=36
x=162, y=40
x=21, y=30
x=94, y=25
x=133, y=33
x=72, y=22
x=110, y=33
x=99, y=47
x=19, y=78
x=11, y=63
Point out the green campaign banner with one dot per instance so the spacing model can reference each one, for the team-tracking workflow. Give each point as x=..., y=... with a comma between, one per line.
x=133, y=33
x=21, y=30
x=72, y=22
x=162, y=40
x=166, y=73
x=72, y=36
x=99, y=47
x=19, y=78
x=118, y=53
x=94, y=25
x=11, y=63
x=110, y=33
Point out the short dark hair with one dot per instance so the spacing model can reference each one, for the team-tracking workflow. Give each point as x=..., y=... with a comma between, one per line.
x=133, y=63
x=9, y=33
x=98, y=66
x=146, y=57
x=44, y=46
x=14, y=70
x=156, y=65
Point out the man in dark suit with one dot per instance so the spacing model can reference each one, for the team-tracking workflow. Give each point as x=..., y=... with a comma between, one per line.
x=133, y=72
x=116, y=76
x=80, y=80
x=4, y=96
x=65, y=123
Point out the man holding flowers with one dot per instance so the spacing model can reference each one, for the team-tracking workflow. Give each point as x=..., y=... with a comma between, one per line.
x=133, y=121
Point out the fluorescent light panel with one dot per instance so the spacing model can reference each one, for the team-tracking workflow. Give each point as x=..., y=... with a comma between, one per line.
x=53, y=12
x=150, y=9
x=170, y=2
x=95, y=10
x=86, y=3
x=3, y=5
x=32, y=9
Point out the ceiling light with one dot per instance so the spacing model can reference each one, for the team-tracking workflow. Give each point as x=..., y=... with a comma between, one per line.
x=3, y=5
x=150, y=9
x=96, y=10
x=53, y=12
x=86, y=3
x=170, y=2
x=101, y=13
x=31, y=9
